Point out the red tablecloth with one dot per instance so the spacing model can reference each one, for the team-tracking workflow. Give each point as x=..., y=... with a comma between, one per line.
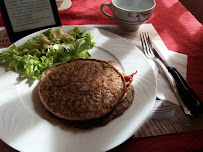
x=182, y=33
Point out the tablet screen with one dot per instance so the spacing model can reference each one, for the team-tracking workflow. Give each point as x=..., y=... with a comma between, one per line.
x=26, y=14
x=23, y=17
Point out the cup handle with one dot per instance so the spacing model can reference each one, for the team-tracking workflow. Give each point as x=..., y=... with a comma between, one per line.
x=109, y=5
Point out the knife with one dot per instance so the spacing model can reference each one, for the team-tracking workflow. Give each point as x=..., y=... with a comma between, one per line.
x=187, y=98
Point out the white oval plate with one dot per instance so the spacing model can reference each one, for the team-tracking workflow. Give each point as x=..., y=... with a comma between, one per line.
x=26, y=126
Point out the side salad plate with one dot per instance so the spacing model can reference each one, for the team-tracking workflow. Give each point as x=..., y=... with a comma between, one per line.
x=26, y=126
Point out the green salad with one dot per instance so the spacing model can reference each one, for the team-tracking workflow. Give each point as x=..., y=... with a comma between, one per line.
x=39, y=53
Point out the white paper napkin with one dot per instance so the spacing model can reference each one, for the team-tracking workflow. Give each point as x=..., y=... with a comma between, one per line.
x=165, y=107
x=177, y=60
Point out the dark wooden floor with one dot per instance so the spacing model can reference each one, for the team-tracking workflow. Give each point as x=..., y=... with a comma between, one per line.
x=195, y=7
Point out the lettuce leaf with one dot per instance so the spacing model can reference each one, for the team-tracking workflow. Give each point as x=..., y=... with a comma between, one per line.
x=39, y=53
x=35, y=67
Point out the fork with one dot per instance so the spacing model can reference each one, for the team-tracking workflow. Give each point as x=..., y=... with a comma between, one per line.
x=188, y=100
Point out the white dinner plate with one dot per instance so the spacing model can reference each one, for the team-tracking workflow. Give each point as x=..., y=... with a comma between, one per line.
x=26, y=126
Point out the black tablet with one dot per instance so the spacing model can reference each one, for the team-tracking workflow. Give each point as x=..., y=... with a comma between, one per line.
x=23, y=17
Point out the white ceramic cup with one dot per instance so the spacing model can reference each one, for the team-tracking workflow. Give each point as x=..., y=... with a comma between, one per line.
x=63, y=4
x=130, y=14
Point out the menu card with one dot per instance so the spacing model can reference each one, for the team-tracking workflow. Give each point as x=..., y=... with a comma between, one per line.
x=22, y=17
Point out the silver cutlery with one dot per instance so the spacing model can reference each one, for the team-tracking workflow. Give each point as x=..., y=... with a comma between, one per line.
x=186, y=97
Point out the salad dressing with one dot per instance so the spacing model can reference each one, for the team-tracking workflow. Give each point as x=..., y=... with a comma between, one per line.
x=43, y=43
x=58, y=34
